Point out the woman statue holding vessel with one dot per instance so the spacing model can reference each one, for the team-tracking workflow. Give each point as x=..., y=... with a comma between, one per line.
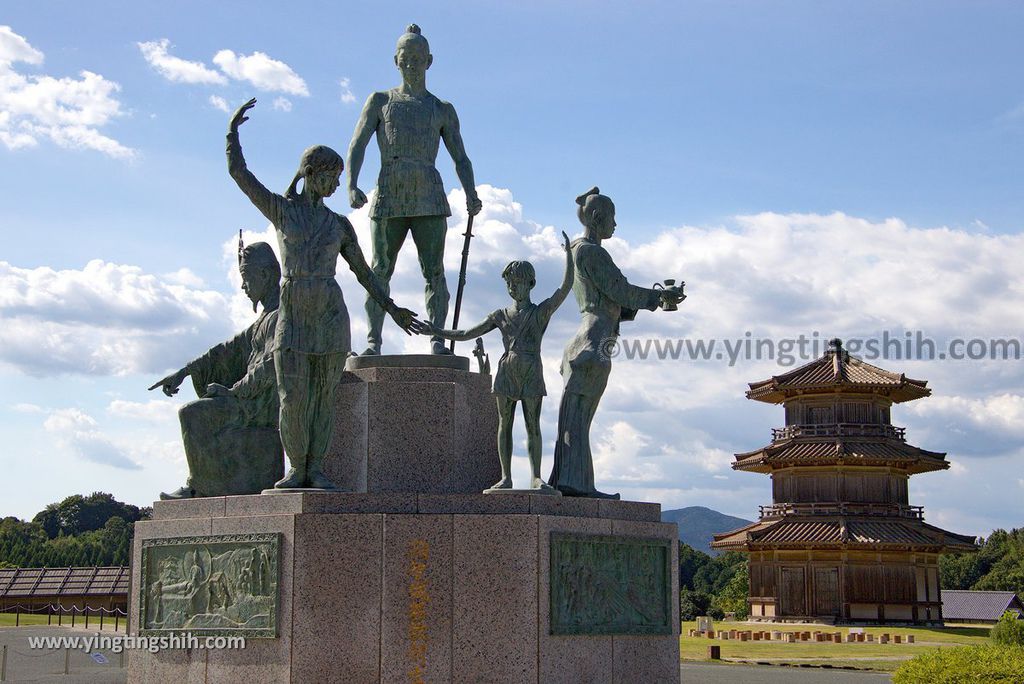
x=605, y=298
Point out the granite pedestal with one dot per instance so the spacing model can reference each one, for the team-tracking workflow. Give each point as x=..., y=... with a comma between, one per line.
x=405, y=587
x=414, y=423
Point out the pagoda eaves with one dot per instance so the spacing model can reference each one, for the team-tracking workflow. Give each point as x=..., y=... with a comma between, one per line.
x=837, y=371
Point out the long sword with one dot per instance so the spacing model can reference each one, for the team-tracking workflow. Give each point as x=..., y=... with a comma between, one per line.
x=462, y=276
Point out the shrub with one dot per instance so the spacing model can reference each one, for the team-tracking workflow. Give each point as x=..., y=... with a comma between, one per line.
x=1009, y=631
x=988, y=664
x=692, y=604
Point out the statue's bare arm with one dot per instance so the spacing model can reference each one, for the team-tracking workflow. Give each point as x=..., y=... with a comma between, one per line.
x=460, y=335
x=552, y=303
x=369, y=119
x=266, y=201
x=352, y=254
x=463, y=167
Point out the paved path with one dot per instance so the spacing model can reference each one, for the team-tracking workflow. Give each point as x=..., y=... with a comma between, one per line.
x=706, y=673
x=42, y=665
x=47, y=666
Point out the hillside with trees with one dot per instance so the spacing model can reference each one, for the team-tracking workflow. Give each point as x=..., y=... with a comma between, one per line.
x=78, y=531
x=998, y=566
x=699, y=524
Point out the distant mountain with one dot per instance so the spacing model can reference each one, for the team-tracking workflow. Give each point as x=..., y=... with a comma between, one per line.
x=697, y=524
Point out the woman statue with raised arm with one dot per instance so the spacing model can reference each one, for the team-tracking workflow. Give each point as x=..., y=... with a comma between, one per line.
x=605, y=297
x=313, y=337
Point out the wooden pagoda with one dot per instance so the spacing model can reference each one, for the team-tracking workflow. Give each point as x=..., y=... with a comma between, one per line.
x=840, y=541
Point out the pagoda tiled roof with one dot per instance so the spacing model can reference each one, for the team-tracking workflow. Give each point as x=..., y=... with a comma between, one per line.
x=842, y=531
x=837, y=370
x=841, y=451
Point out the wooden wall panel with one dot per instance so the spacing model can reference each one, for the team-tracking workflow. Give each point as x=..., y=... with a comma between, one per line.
x=900, y=584
x=864, y=583
x=792, y=592
x=826, y=591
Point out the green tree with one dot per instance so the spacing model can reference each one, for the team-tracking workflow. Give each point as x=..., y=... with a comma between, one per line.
x=693, y=604
x=997, y=566
x=733, y=596
x=77, y=514
x=690, y=561
x=1009, y=631
x=960, y=571
x=21, y=543
x=712, y=577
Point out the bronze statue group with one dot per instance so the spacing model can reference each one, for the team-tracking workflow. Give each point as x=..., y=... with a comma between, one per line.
x=274, y=384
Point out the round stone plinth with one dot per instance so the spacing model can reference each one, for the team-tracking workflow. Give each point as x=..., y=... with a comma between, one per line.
x=408, y=361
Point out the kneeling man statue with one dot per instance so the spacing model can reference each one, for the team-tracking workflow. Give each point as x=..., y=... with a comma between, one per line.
x=231, y=438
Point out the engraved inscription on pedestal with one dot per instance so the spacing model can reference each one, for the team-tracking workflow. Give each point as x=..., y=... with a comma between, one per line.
x=610, y=585
x=210, y=585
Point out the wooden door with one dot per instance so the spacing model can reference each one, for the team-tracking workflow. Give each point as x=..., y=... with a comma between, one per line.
x=792, y=593
x=826, y=591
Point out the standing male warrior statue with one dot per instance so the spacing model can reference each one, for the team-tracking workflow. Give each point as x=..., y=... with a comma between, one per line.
x=409, y=122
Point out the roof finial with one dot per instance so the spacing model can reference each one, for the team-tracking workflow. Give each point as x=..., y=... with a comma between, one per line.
x=836, y=348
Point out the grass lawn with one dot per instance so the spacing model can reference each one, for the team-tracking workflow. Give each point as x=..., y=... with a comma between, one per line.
x=873, y=656
x=7, y=619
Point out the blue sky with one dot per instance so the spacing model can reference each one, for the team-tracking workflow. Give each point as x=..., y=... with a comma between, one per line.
x=847, y=168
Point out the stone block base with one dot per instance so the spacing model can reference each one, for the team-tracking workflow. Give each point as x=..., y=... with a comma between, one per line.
x=413, y=423
x=440, y=588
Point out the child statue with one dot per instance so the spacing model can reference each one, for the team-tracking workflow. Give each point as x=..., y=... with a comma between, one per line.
x=520, y=374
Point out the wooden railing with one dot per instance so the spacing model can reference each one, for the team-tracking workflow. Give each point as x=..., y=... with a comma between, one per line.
x=843, y=508
x=840, y=430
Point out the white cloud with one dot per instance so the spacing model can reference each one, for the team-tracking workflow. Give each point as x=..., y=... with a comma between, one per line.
x=184, y=276
x=152, y=411
x=14, y=48
x=261, y=71
x=105, y=319
x=218, y=102
x=67, y=111
x=616, y=453
x=978, y=426
x=176, y=69
x=282, y=104
x=347, y=96
x=77, y=433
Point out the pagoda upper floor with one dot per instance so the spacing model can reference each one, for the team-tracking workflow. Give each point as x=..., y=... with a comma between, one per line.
x=838, y=415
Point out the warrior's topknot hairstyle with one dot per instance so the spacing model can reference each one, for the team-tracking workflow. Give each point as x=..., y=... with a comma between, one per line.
x=412, y=36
